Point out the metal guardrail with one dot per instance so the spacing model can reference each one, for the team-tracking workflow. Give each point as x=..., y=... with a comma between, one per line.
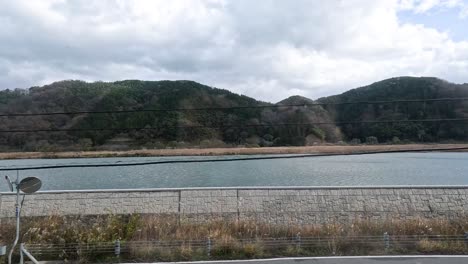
x=208, y=245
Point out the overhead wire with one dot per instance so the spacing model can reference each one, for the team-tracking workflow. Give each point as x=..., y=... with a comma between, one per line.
x=449, y=99
x=229, y=126
x=434, y=120
x=224, y=160
x=232, y=125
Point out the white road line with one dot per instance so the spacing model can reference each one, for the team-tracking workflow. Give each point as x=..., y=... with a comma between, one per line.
x=318, y=258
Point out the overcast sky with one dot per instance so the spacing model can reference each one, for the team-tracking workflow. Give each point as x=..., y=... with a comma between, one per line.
x=267, y=49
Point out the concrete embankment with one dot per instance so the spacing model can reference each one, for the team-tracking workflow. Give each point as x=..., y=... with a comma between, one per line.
x=273, y=205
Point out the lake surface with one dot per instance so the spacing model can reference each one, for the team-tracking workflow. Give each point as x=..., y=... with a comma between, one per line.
x=373, y=169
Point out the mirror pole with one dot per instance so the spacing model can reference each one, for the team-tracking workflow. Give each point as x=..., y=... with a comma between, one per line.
x=17, y=212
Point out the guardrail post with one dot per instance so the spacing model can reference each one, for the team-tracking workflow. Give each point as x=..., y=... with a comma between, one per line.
x=298, y=241
x=208, y=246
x=386, y=238
x=117, y=247
x=3, y=250
x=465, y=236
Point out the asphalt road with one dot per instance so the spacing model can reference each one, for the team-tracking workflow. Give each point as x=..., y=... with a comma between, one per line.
x=351, y=260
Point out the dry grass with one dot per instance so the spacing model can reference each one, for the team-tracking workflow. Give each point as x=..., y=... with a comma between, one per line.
x=223, y=151
x=232, y=239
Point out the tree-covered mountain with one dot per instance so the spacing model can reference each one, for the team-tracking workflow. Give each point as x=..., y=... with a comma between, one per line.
x=230, y=123
x=403, y=88
x=160, y=129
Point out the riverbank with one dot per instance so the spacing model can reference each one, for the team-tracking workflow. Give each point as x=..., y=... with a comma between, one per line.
x=322, y=149
x=226, y=151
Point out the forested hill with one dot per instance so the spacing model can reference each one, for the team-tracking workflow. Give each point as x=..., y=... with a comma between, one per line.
x=231, y=123
x=404, y=88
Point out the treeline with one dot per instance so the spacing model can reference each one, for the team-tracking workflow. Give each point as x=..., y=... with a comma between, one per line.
x=221, y=127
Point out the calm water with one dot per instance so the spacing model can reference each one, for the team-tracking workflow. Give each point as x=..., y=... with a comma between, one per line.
x=381, y=169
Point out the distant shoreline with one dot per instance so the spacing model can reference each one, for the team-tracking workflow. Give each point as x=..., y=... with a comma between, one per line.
x=225, y=151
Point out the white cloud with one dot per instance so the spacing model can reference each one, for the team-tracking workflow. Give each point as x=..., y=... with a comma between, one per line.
x=423, y=6
x=464, y=12
x=267, y=49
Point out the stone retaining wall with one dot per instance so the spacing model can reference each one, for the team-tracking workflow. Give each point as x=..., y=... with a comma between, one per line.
x=277, y=205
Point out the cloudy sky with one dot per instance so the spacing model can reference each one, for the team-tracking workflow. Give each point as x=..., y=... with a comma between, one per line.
x=268, y=49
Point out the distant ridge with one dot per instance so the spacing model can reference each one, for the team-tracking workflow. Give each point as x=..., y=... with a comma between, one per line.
x=69, y=96
x=295, y=99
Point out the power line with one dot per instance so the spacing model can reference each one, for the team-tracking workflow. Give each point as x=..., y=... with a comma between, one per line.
x=235, y=107
x=224, y=160
x=238, y=126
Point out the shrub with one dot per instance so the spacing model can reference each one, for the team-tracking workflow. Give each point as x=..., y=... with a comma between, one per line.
x=372, y=140
x=212, y=143
x=396, y=140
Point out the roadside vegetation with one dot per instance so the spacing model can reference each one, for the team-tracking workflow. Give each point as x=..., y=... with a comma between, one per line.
x=167, y=238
